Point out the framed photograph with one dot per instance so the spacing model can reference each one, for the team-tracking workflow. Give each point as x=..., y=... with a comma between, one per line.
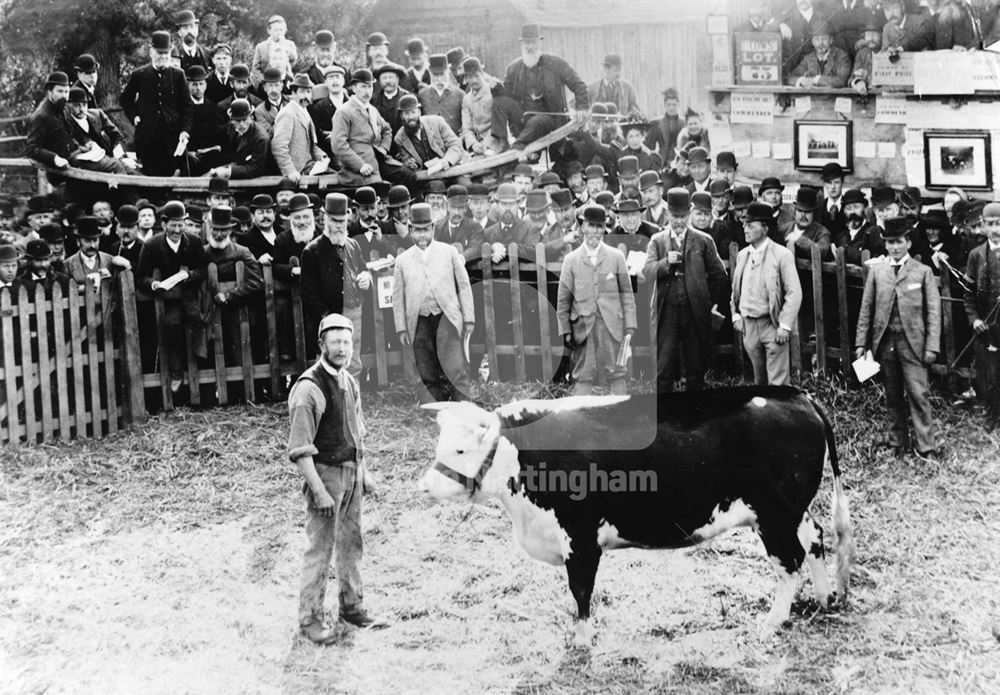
x=821, y=142
x=958, y=158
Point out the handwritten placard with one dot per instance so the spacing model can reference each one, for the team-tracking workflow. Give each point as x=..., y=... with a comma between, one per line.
x=803, y=104
x=886, y=73
x=986, y=71
x=843, y=105
x=722, y=61
x=752, y=108
x=384, y=286
x=890, y=109
x=758, y=58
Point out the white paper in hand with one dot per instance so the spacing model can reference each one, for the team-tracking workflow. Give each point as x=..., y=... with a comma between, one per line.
x=635, y=261
x=865, y=367
x=174, y=280
x=320, y=167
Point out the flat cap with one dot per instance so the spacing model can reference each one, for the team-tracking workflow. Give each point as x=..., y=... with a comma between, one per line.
x=331, y=321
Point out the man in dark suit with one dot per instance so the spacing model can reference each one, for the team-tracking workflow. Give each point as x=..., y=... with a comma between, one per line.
x=857, y=234
x=261, y=238
x=422, y=140
x=322, y=110
x=458, y=229
x=388, y=93
x=825, y=66
x=49, y=138
x=830, y=211
x=157, y=100
x=905, y=30
x=848, y=19
x=797, y=27
x=93, y=131
x=417, y=74
x=804, y=231
x=38, y=269
x=86, y=67
x=129, y=246
x=192, y=52
x=324, y=48
x=370, y=233
x=206, y=124
x=690, y=281
x=981, y=307
x=901, y=323
x=244, y=145
x=509, y=228
x=241, y=89
x=220, y=79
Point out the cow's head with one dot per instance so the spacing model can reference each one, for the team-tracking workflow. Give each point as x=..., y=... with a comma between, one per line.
x=466, y=452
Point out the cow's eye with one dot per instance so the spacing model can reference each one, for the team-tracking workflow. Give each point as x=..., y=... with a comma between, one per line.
x=460, y=452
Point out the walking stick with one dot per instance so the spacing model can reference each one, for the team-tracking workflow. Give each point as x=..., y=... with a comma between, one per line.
x=990, y=320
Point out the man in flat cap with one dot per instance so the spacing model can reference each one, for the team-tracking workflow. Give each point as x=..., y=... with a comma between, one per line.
x=538, y=80
x=326, y=442
x=192, y=53
x=99, y=143
x=274, y=52
x=616, y=89
x=433, y=309
x=982, y=307
x=440, y=97
x=294, y=143
x=417, y=75
x=900, y=323
x=244, y=146
x=662, y=137
x=219, y=85
x=86, y=67
x=49, y=138
x=423, y=141
x=156, y=99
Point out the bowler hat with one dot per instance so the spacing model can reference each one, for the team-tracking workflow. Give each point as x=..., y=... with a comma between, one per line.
x=936, y=218
x=612, y=60
x=530, y=32
x=548, y=178
x=241, y=213
x=832, y=171
x=185, y=17
x=262, y=201
x=594, y=171
x=562, y=198
x=399, y=196
x=218, y=186
x=506, y=193
x=144, y=204
x=415, y=47
x=7, y=253
x=38, y=204
x=698, y=154
x=53, y=233
x=300, y=201
x=160, y=41
x=377, y=39
x=128, y=216
x=195, y=213
x=478, y=190
x=524, y=169
x=700, y=200
x=363, y=75
x=239, y=109
x=598, y=109
x=974, y=212
x=628, y=205
x=57, y=79
x=991, y=210
x=458, y=195
x=173, y=211
x=336, y=205
x=222, y=47
x=649, y=178
x=272, y=74
x=897, y=228
x=331, y=321
x=438, y=62
x=883, y=196
x=86, y=63
x=37, y=249
x=301, y=81
x=743, y=196
x=286, y=184
x=323, y=38
x=536, y=201
x=435, y=187
x=314, y=202
x=605, y=199
x=77, y=95
x=760, y=212
x=670, y=93
x=471, y=65
x=910, y=197
x=395, y=68
x=365, y=197
x=421, y=216
x=240, y=71
x=853, y=195
x=678, y=201
x=725, y=160
x=222, y=217
x=628, y=167
x=719, y=187
x=806, y=199
x=175, y=53
x=408, y=102
x=196, y=73
x=769, y=183
x=275, y=18
x=594, y=214
x=958, y=211
x=611, y=107
x=455, y=56
x=87, y=227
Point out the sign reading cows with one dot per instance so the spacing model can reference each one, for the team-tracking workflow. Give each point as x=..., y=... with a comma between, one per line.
x=758, y=59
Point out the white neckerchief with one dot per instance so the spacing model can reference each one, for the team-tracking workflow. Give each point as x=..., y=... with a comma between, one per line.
x=88, y=261
x=82, y=122
x=807, y=16
x=174, y=246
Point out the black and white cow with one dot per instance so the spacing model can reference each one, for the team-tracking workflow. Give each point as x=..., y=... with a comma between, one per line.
x=583, y=474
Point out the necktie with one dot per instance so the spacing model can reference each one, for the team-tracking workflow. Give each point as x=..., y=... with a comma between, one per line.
x=351, y=295
x=895, y=268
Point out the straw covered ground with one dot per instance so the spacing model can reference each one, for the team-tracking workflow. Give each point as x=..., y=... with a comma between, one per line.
x=166, y=559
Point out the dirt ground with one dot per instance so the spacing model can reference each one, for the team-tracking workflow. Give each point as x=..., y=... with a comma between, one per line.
x=166, y=560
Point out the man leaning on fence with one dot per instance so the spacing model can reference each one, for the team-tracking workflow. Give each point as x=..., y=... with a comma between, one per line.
x=766, y=299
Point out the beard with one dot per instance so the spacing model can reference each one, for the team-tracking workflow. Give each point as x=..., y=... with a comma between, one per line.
x=530, y=60
x=507, y=217
x=412, y=127
x=218, y=244
x=855, y=220
x=189, y=39
x=302, y=235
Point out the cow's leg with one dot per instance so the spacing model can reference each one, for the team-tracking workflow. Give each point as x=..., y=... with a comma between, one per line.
x=581, y=567
x=811, y=538
x=786, y=554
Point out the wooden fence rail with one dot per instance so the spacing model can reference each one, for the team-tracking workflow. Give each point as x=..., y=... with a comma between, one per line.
x=86, y=360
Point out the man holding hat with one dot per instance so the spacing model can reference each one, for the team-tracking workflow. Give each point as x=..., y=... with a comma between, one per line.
x=326, y=442
x=276, y=51
x=387, y=95
x=323, y=109
x=982, y=306
x=424, y=141
x=433, y=309
x=86, y=67
x=324, y=49
x=275, y=99
x=192, y=53
x=99, y=143
x=334, y=276
x=900, y=322
x=294, y=143
x=690, y=281
x=538, y=81
x=616, y=89
x=89, y=263
x=220, y=80
x=595, y=307
x=831, y=208
x=440, y=97
x=805, y=232
x=244, y=146
x=825, y=66
x=157, y=101
x=766, y=299
x=49, y=139
x=417, y=74
x=357, y=130
x=858, y=234
x=662, y=137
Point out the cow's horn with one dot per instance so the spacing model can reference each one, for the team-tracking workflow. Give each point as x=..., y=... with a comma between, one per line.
x=440, y=405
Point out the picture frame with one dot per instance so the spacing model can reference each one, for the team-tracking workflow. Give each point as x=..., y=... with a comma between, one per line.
x=958, y=158
x=818, y=143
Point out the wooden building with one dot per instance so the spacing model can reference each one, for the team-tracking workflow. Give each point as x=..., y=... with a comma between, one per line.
x=662, y=42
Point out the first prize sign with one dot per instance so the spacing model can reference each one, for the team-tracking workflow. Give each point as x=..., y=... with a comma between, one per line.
x=758, y=59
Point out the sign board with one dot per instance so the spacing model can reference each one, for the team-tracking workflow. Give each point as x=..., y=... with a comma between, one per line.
x=750, y=107
x=384, y=286
x=722, y=61
x=758, y=58
x=889, y=109
x=886, y=73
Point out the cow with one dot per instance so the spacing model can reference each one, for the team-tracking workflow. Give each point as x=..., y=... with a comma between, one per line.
x=651, y=471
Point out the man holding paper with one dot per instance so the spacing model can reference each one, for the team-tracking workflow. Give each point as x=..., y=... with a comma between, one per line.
x=294, y=143
x=901, y=323
x=425, y=142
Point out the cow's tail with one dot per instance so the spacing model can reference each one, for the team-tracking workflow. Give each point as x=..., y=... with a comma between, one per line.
x=843, y=533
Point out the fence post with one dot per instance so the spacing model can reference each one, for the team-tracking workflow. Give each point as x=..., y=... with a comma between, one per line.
x=92, y=312
x=818, y=326
x=544, y=328
x=27, y=367
x=947, y=322
x=59, y=357
x=489, y=314
x=218, y=346
x=108, y=334
x=10, y=383
x=44, y=364
x=516, y=313
x=246, y=354
x=297, y=317
x=131, y=354
x=846, y=349
x=271, y=318
x=79, y=403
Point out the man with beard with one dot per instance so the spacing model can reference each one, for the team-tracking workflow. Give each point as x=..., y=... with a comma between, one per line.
x=904, y=30
x=86, y=78
x=294, y=144
x=323, y=110
x=805, y=232
x=615, y=89
x=439, y=98
x=220, y=80
x=425, y=141
x=662, y=137
x=192, y=53
x=399, y=202
x=244, y=146
x=417, y=74
x=366, y=230
x=566, y=221
x=433, y=310
x=596, y=179
x=49, y=139
x=701, y=212
x=334, y=278
x=261, y=238
x=241, y=89
x=265, y=113
x=536, y=212
x=129, y=245
x=458, y=229
x=101, y=210
x=628, y=178
x=37, y=269
x=595, y=307
x=935, y=243
x=858, y=234
x=725, y=167
x=386, y=98
x=690, y=281
x=157, y=101
x=206, y=122
x=825, y=66
x=861, y=72
x=831, y=207
x=324, y=48
x=90, y=261
x=175, y=252
x=537, y=81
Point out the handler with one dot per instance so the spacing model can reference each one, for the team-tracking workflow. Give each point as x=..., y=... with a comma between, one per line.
x=325, y=441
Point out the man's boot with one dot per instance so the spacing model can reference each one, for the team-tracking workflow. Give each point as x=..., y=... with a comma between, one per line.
x=316, y=632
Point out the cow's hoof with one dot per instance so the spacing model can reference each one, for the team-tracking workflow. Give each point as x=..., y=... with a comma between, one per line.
x=771, y=626
x=584, y=635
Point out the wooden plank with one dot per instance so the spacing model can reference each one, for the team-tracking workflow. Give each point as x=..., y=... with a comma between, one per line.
x=92, y=317
x=76, y=348
x=9, y=365
x=541, y=277
x=489, y=313
x=271, y=317
x=516, y=314
x=194, y=392
x=25, y=309
x=381, y=364
x=299, y=321
x=59, y=312
x=847, y=350
x=243, y=312
x=218, y=348
x=44, y=363
x=110, y=382
x=131, y=355
x=818, y=327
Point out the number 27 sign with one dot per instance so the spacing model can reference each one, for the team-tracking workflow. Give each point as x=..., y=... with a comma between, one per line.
x=758, y=58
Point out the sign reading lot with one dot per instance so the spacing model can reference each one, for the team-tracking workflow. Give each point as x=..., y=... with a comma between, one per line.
x=758, y=59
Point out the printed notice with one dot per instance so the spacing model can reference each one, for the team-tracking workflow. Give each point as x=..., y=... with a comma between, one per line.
x=782, y=150
x=803, y=104
x=886, y=73
x=890, y=109
x=741, y=149
x=887, y=150
x=760, y=150
x=752, y=108
x=865, y=149
x=943, y=72
x=843, y=105
x=913, y=156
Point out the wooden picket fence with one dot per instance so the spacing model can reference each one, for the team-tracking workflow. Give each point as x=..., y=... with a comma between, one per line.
x=86, y=361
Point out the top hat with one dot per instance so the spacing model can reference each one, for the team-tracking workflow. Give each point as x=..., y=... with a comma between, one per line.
x=408, y=102
x=832, y=171
x=628, y=205
x=300, y=201
x=612, y=60
x=160, y=41
x=222, y=217
x=7, y=253
x=471, y=65
x=53, y=233
x=698, y=154
x=301, y=81
x=506, y=193
x=377, y=39
x=218, y=186
x=628, y=167
x=649, y=178
x=185, y=17
x=87, y=227
x=331, y=321
x=562, y=198
x=725, y=160
x=760, y=212
x=435, y=187
x=594, y=214
x=399, y=196
x=37, y=249
x=700, y=200
x=57, y=79
x=415, y=47
x=455, y=56
x=853, y=195
x=421, y=215
x=530, y=32
x=394, y=68
x=883, y=196
x=128, y=216
x=771, y=182
x=365, y=197
x=438, y=62
x=742, y=196
x=670, y=93
x=678, y=201
x=363, y=75
x=336, y=205
x=239, y=109
x=240, y=71
x=896, y=228
x=173, y=211
x=323, y=38
x=719, y=187
x=536, y=201
x=458, y=195
x=594, y=171
x=262, y=201
x=77, y=95
x=806, y=199
x=86, y=63
x=196, y=73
